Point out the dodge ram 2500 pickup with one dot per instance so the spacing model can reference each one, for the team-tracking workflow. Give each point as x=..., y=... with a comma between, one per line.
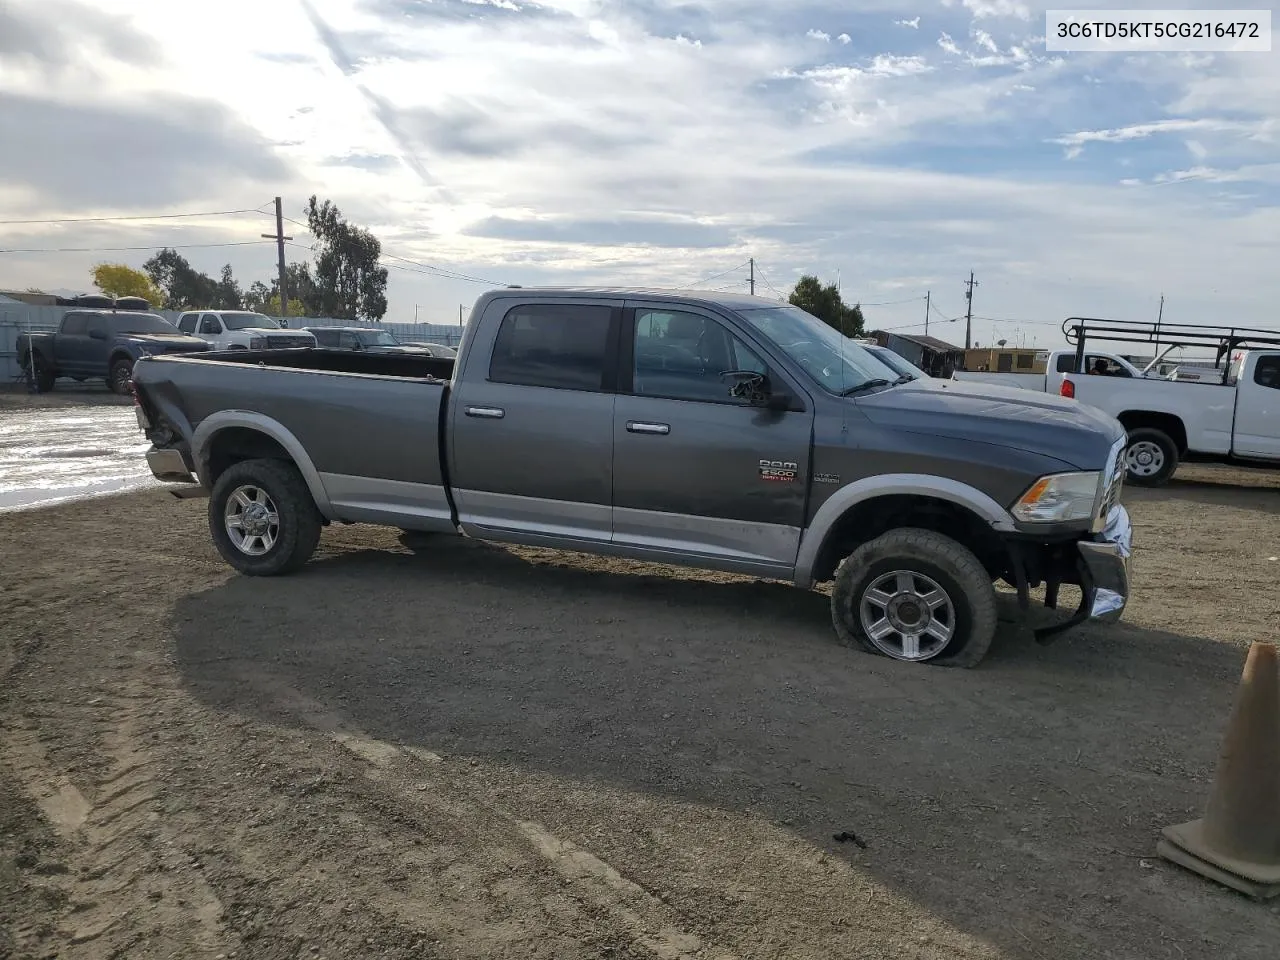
x=716, y=431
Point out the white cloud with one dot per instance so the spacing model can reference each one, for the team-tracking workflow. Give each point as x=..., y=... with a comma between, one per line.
x=1197, y=149
x=985, y=41
x=845, y=38
x=819, y=35
x=913, y=23
x=998, y=8
x=596, y=154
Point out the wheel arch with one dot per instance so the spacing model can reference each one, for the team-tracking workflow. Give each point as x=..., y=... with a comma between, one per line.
x=867, y=508
x=1167, y=423
x=233, y=435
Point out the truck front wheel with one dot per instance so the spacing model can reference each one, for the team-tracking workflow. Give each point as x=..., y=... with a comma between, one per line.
x=120, y=375
x=1150, y=458
x=915, y=595
x=262, y=517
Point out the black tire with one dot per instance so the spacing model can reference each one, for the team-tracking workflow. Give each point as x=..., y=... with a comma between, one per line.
x=971, y=610
x=1158, y=444
x=40, y=377
x=297, y=531
x=120, y=376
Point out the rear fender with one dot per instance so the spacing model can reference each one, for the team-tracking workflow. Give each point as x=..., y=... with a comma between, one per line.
x=247, y=419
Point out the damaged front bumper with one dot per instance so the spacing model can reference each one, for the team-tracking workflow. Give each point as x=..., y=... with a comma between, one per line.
x=1098, y=564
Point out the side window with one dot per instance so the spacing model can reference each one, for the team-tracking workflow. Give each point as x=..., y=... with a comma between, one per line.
x=552, y=345
x=1066, y=363
x=187, y=323
x=681, y=356
x=210, y=324
x=96, y=322
x=75, y=323
x=1267, y=372
x=348, y=341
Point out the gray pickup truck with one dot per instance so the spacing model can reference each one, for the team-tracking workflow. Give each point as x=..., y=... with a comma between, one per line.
x=715, y=431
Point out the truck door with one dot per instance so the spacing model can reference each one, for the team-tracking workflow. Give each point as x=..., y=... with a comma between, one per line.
x=696, y=470
x=1256, y=432
x=531, y=423
x=211, y=330
x=71, y=345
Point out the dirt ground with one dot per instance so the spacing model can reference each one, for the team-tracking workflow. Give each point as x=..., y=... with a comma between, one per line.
x=459, y=750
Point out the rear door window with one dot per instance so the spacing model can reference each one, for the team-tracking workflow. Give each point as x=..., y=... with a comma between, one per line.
x=187, y=323
x=75, y=324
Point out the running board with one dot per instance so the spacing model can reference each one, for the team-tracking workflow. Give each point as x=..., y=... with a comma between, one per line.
x=193, y=492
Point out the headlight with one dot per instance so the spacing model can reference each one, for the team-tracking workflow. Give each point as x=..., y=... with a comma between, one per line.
x=1059, y=498
x=257, y=343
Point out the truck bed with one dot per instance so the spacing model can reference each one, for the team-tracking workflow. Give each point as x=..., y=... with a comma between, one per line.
x=314, y=403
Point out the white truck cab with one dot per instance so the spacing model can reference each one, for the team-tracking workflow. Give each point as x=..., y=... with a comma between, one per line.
x=242, y=330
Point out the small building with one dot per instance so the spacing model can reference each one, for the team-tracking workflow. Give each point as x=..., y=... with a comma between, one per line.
x=1006, y=360
x=935, y=357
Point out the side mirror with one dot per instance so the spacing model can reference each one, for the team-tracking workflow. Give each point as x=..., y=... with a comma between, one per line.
x=97, y=334
x=756, y=389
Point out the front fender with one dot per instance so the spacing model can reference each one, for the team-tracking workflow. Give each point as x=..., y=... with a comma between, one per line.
x=891, y=484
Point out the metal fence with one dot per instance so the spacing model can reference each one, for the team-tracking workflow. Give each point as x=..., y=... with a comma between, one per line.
x=17, y=318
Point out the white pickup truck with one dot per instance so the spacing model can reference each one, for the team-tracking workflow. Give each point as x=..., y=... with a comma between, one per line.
x=1230, y=416
x=1061, y=363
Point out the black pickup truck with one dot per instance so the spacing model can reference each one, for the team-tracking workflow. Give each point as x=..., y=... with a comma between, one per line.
x=100, y=343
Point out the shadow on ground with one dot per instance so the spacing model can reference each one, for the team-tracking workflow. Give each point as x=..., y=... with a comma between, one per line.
x=1031, y=788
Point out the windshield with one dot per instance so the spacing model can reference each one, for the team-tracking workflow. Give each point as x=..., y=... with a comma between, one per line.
x=836, y=362
x=243, y=321
x=899, y=363
x=141, y=323
x=377, y=338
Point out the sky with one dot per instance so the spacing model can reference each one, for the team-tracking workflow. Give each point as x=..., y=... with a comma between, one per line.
x=886, y=145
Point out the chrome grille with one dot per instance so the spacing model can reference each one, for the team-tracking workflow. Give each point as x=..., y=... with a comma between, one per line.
x=1114, y=480
x=290, y=341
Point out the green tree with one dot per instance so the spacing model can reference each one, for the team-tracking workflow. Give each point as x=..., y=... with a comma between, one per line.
x=226, y=294
x=184, y=287
x=118, y=280
x=826, y=304
x=349, y=282
x=271, y=306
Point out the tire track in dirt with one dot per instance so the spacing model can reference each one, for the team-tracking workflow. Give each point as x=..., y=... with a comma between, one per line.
x=129, y=878
x=598, y=889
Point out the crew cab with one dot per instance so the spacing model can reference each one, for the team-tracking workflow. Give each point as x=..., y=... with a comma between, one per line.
x=99, y=343
x=242, y=330
x=709, y=430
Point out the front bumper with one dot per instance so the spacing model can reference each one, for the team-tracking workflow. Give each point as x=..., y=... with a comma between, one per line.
x=1102, y=572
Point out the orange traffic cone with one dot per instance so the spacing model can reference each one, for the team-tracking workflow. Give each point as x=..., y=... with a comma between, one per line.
x=1237, y=843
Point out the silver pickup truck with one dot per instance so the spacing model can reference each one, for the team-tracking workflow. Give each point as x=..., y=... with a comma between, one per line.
x=715, y=431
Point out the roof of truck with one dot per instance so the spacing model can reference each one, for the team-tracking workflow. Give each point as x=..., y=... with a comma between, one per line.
x=738, y=301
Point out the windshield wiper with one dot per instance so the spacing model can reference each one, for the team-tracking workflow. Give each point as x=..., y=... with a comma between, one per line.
x=865, y=386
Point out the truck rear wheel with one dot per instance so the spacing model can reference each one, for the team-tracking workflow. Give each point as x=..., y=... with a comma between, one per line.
x=917, y=596
x=262, y=517
x=1150, y=458
x=40, y=379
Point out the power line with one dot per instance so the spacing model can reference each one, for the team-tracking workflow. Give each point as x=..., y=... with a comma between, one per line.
x=715, y=276
x=760, y=274
x=138, y=216
x=149, y=246
x=890, y=303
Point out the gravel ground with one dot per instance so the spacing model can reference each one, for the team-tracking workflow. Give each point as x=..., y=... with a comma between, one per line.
x=448, y=749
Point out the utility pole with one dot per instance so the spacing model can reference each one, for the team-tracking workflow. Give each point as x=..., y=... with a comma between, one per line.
x=752, y=281
x=927, y=295
x=968, y=315
x=280, y=238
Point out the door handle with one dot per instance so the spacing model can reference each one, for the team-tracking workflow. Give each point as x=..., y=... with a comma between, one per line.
x=491, y=413
x=636, y=426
